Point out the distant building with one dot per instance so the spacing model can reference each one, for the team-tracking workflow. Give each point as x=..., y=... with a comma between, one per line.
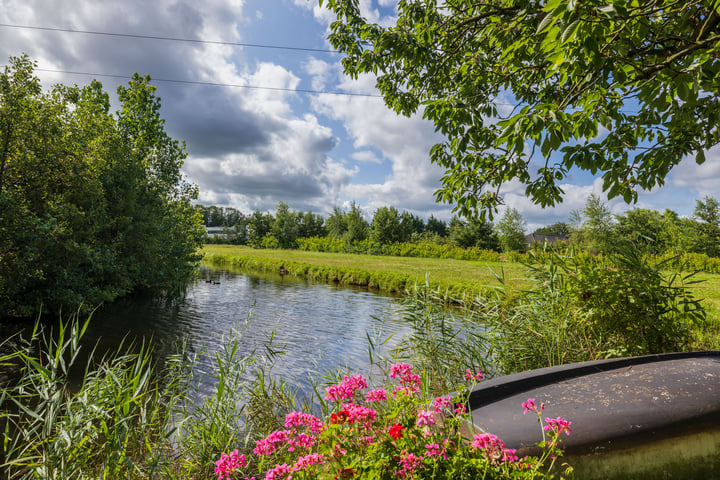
x=540, y=238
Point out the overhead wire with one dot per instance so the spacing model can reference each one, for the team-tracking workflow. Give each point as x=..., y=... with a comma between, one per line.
x=170, y=39
x=190, y=40
x=215, y=84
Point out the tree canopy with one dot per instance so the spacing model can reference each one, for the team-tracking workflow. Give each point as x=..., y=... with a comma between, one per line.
x=92, y=205
x=529, y=89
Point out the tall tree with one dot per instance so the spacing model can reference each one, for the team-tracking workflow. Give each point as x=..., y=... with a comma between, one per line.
x=285, y=228
x=436, y=226
x=707, y=217
x=258, y=226
x=517, y=83
x=336, y=224
x=357, y=226
x=473, y=233
x=559, y=228
x=641, y=227
x=510, y=230
x=385, y=227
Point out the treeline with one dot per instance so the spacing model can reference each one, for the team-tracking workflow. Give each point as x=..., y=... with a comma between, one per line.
x=92, y=205
x=592, y=229
x=288, y=229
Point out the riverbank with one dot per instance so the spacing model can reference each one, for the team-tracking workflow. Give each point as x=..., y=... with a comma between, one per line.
x=461, y=279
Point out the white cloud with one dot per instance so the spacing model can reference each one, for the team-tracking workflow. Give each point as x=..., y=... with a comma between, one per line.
x=703, y=179
x=319, y=72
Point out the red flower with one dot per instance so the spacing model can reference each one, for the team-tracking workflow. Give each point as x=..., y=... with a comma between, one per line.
x=345, y=473
x=396, y=431
x=341, y=417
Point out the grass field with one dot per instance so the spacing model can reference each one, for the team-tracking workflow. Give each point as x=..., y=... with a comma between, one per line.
x=456, y=275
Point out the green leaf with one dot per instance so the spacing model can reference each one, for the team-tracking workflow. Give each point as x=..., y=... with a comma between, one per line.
x=545, y=22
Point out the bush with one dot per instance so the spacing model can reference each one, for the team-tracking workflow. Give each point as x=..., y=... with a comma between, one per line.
x=584, y=307
x=389, y=432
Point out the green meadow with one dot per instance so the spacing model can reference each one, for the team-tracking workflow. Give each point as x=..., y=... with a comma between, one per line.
x=461, y=279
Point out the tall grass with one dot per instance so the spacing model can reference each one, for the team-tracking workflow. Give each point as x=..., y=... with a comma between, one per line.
x=130, y=417
x=115, y=425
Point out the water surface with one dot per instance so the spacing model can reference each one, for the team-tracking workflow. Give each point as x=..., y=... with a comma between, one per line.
x=319, y=326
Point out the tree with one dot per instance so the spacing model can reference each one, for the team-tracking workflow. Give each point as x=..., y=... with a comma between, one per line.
x=641, y=227
x=385, y=227
x=436, y=226
x=311, y=225
x=285, y=227
x=357, y=226
x=529, y=89
x=92, y=205
x=707, y=217
x=559, y=228
x=511, y=231
x=473, y=233
x=336, y=224
x=258, y=226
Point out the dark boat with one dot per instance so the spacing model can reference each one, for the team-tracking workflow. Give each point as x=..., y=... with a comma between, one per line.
x=654, y=416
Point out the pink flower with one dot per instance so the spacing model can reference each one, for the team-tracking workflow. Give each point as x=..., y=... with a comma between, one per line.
x=441, y=403
x=399, y=370
x=409, y=462
x=308, y=460
x=228, y=463
x=433, y=450
x=266, y=446
x=529, y=405
x=425, y=417
x=557, y=425
x=279, y=472
x=476, y=376
x=494, y=448
x=346, y=388
x=460, y=408
x=359, y=414
x=376, y=395
x=299, y=419
x=409, y=382
x=487, y=442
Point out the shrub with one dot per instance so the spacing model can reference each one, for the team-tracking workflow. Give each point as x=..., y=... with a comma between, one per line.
x=389, y=432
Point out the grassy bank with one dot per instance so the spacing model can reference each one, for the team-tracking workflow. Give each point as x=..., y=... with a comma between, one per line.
x=461, y=279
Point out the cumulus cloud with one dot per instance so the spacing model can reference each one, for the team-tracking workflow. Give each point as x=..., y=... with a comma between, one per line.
x=247, y=147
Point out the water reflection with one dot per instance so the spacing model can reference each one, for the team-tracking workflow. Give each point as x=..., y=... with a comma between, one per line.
x=320, y=326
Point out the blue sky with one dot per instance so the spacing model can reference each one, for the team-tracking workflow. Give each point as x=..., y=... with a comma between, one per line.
x=250, y=148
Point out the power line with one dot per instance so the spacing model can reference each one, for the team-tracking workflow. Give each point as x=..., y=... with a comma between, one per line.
x=170, y=39
x=214, y=84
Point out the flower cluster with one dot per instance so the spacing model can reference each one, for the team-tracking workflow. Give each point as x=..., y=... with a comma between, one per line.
x=409, y=382
x=229, y=463
x=477, y=376
x=557, y=426
x=346, y=388
x=493, y=448
x=377, y=435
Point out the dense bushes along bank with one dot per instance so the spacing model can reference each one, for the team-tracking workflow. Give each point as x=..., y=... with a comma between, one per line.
x=93, y=205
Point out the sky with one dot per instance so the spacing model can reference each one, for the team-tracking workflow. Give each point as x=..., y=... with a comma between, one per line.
x=254, y=132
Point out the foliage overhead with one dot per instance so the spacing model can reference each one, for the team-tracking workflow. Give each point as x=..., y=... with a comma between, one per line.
x=92, y=205
x=618, y=87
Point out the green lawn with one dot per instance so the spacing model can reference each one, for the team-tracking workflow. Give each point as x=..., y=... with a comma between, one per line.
x=439, y=269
